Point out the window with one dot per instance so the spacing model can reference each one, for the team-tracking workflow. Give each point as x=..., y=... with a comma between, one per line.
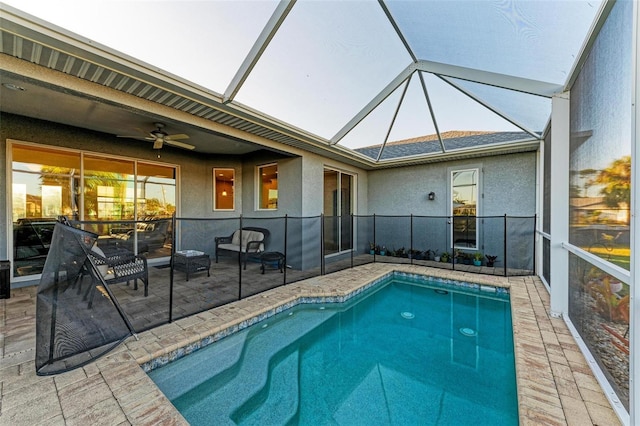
x=268, y=187
x=48, y=182
x=156, y=189
x=464, y=207
x=223, y=189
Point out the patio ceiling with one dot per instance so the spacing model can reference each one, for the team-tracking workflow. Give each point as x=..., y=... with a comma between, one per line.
x=320, y=76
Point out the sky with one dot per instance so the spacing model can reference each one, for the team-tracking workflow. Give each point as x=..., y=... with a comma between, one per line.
x=322, y=67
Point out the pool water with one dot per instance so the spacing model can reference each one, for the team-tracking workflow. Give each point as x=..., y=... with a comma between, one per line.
x=401, y=354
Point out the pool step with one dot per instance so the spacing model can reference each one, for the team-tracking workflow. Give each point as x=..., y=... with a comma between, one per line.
x=197, y=368
x=281, y=404
x=252, y=376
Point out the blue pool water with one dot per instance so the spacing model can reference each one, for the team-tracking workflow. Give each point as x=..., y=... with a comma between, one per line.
x=403, y=353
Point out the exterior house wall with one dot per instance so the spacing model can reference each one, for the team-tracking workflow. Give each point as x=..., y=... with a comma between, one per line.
x=507, y=185
x=300, y=177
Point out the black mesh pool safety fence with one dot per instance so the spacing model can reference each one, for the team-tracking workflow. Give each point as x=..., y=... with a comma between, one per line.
x=205, y=263
x=74, y=323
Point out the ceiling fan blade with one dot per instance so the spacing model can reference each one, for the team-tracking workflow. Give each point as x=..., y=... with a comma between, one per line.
x=131, y=136
x=142, y=135
x=179, y=144
x=176, y=137
x=157, y=144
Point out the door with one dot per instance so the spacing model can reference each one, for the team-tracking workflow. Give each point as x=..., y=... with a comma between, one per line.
x=338, y=207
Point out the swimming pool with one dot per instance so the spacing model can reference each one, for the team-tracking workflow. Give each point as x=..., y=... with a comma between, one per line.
x=404, y=352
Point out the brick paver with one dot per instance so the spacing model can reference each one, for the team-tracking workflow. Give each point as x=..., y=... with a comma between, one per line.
x=555, y=383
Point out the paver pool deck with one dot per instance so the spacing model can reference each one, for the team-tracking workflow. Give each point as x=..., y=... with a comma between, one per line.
x=555, y=383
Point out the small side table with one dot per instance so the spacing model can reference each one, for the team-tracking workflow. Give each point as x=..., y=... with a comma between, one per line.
x=191, y=261
x=271, y=259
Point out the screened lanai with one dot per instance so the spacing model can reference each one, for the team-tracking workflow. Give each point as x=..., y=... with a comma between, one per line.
x=383, y=87
x=358, y=73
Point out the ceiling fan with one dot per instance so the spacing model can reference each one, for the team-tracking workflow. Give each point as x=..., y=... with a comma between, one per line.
x=159, y=137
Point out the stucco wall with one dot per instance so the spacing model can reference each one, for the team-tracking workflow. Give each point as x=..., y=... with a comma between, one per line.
x=508, y=186
x=196, y=171
x=299, y=185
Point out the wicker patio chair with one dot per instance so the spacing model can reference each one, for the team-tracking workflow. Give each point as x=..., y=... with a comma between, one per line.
x=118, y=267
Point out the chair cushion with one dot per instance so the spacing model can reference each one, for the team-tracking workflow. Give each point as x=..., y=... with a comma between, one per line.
x=251, y=236
x=235, y=240
x=246, y=237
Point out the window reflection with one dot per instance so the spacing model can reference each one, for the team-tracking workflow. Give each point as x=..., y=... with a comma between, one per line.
x=46, y=183
x=108, y=189
x=600, y=143
x=156, y=191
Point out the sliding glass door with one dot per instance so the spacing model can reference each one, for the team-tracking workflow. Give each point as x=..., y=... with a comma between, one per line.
x=110, y=193
x=338, y=207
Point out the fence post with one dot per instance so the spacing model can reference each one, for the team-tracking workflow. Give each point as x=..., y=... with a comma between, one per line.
x=453, y=242
x=321, y=243
x=240, y=263
x=535, y=224
x=411, y=239
x=286, y=231
x=374, y=238
x=505, y=244
x=352, y=242
x=173, y=252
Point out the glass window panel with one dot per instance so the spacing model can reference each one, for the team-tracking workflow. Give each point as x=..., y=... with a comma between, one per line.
x=108, y=189
x=600, y=154
x=331, y=213
x=156, y=191
x=346, y=192
x=524, y=36
x=268, y=187
x=338, y=199
x=41, y=191
x=324, y=64
x=464, y=204
x=223, y=189
x=33, y=158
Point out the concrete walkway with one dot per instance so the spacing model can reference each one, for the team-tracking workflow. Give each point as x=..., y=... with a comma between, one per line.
x=555, y=383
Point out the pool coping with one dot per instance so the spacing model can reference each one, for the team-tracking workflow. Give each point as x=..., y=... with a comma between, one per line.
x=232, y=328
x=555, y=383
